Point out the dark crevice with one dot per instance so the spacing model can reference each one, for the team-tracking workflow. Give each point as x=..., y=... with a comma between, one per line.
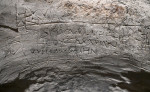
x=84, y=22
x=13, y=29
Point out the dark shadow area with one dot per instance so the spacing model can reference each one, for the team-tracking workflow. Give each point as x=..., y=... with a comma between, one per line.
x=140, y=81
x=16, y=85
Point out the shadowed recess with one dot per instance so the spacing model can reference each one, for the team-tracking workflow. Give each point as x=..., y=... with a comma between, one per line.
x=18, y=85
x=140, y=81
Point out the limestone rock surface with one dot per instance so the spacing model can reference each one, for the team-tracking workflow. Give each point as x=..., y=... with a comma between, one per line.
x=74, y=45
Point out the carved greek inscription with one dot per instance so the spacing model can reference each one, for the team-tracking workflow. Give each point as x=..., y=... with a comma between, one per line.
x=146, y=41
x=69, y=50
x=61, y=39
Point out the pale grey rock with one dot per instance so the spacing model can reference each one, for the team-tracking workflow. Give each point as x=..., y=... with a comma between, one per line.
x=73, y=45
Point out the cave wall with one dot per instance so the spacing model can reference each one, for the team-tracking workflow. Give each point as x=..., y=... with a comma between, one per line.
x=37, y=34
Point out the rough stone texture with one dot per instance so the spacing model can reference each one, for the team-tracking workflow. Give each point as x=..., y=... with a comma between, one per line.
x=73, y=45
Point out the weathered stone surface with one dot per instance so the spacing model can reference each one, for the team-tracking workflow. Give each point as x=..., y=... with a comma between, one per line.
x=74, y=45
